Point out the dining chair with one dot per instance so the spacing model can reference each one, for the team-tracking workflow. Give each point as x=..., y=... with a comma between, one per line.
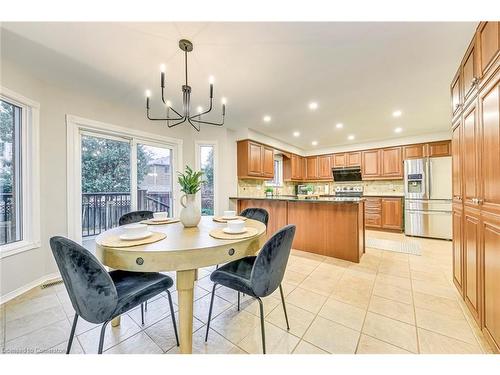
x=258, y=214
x=130, y=218
x=99, y=296
x=258, y=276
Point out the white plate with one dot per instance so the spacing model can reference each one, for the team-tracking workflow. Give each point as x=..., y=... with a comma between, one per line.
x=229, y=217
x=159, y=220
x=229, y=231
x=128, y=237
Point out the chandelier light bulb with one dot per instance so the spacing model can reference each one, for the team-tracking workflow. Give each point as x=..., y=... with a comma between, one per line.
x=199, y=109
x=168, y=103
x=163, y=68
x=224, y=101
x=148, y=93
x=267, y=118
x=314, y=143
x=211, y=80
x=296, y=134
x=339, y=125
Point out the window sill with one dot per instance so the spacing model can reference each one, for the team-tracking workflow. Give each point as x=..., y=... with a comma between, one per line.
x=17, y=247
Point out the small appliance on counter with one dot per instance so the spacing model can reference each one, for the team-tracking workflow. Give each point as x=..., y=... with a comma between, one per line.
x=349, y=191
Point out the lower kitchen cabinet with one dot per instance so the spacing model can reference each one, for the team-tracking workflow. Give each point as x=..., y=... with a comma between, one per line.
x=490, y=226
x=472, y=264
x=384, y=213
x=458, y=249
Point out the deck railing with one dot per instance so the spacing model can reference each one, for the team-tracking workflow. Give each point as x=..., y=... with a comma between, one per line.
x=102, y=211
x=7, y=218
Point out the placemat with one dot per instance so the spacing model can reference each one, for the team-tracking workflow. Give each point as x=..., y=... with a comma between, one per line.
x=219, y=234
x=115, y=241
x=219, y=219
x=152, y=222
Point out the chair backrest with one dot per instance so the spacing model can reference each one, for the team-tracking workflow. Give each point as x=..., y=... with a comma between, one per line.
x=256, y=214
x=90, y=288
x=135, y=217
x=269, y=267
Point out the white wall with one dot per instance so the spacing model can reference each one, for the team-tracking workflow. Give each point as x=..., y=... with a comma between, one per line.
x=22, y=269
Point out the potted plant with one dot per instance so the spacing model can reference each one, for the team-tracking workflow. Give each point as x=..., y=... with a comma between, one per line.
x=309, y=189
x=269, y=192
x=190, y=182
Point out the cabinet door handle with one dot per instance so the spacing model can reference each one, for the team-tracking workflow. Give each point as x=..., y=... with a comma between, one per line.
x=474, y=81
x=479, y=201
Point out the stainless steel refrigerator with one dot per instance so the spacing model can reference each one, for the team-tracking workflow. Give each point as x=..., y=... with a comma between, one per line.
x=428, y=195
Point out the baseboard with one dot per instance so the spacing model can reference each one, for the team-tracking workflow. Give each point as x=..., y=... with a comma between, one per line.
x=16, y=293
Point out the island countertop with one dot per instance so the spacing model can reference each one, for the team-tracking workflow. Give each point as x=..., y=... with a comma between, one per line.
x=291, y=198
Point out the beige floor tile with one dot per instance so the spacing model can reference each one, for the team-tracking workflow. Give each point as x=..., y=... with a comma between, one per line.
x=287, y=289
x=337, y=262
x=400, y=282
x=434, y=289
x=392, y=309
x=252, y=306
x=31, y=322
x=393, y=292
x=76, y=348
x=298, y=319
x=391, y=331
x=434, y=343
x=278, y=341
x=301, y=267
x=234, y=325
x=438, y=304
x=114, y=335
x=306, y=299
x=157, y=309
x=305, y=348
x=320, y=285
x=202, y=306
x=351, y=295
x=140, y=343
x=304, y=255
x=328, y=270
x=28, y=307
x=371, y=345
x=294, y=278
x=332, y=337
x=216, y=344
x=162, y=332
x=198, y=293
x=205, y=283
x=343, y=313
x=447, y=325
x=40, y=340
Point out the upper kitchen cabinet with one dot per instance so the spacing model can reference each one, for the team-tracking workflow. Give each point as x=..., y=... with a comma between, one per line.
x=325, y=167
x=370, y=165
x=382, y=164
x=293, y=168
x=455, y=95
x=488, y=39
x=347, y=159
x=456, y=147
x=255, y=161
x=436, y=149
x=469, y=72
x=392, y=163
x=414, y=151
x=312, y=172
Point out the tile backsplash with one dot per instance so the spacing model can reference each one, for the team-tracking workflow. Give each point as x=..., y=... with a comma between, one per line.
x=256, y=188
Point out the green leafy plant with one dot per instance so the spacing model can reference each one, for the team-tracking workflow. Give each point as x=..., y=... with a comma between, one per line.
x=310, y=188
x=190, y=181
x=268, y=190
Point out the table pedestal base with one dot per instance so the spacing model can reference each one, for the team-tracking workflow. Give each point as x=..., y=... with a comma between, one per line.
x=185, y=293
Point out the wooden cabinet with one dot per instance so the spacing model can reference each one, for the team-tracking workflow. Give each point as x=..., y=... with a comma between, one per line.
x=339, y=160
x=472, y=273
x=255, y=161
x=268, y=162
x=297, y=167
x=455, y=94
x=347, y=159
x=414, y=151
x=456, y=146
x=490, y=227
x=384, y=213
x=458, y=249
x=470, y=162
x=488, y=36
x=325, y=167
x=312, y=168
x=468, y=71
x=386, y=163
x=277, y=211
x=437, y=149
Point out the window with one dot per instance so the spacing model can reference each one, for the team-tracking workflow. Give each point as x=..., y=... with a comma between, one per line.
x=19, y=196
x=206, y=161
x=278, y=172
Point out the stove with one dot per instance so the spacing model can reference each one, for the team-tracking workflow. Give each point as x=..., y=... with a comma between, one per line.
x=349, y=191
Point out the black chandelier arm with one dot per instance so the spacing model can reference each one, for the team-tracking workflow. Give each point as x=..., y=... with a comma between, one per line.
x=170, y=107
x=203, y=113
x=197, y=128
x=163, y=118
x=178, y=123
x=207, y=122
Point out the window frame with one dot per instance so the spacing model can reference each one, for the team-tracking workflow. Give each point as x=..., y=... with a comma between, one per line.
x=279, y=176
x=30, y=174
x=197, y=163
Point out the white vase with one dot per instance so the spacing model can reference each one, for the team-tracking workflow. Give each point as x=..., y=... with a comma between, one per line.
x=190, y=213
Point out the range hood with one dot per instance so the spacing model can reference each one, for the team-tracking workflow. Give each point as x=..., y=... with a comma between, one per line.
x=346, y=174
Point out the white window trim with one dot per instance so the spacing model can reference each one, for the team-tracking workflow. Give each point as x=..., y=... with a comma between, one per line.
x=77, y=125
x=30, y=173
x=197, y=163
x=270, y=183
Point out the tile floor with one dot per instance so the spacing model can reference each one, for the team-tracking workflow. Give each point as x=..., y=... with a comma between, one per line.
x=388, y=303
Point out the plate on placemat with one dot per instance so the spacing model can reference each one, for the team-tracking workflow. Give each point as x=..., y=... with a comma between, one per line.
x=222, y=219
x=161, y=222
x=114, y=240
x=229, y=231
x=128, y=237
x=221, y=235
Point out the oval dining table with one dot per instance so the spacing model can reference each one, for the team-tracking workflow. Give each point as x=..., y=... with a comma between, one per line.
x=184, y=250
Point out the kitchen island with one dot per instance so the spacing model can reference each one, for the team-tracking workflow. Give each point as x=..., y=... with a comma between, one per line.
x=327, y=226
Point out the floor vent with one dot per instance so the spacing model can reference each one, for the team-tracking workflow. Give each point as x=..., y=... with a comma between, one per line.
x=50, y=283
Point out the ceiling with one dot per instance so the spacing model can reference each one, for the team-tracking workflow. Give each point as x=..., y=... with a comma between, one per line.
x=358, y=73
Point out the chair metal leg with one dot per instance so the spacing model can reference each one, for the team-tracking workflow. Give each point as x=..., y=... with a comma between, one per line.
x=142, y=313
x=238, y=301
x=284, y=307
x=72, y=334
x=101, y=338
x=263, y=332
x=210, y=311
x=146, y=306
x=173, y=316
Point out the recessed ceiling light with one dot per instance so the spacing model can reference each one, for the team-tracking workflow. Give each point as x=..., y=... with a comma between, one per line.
x=267, y=118
x=350, y=137
x=397, y=113
x=314, y=143
x=339, y=125
x=296, y=134
x=398, y=130
x=313, y=106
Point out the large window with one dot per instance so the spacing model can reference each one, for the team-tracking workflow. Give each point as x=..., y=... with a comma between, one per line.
x=278, y=172
x=208, y=188
x=10, y=173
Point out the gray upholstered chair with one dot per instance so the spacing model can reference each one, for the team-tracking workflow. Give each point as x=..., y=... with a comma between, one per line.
x=135, y=217
x=258, y=214
x=258, y=276
x=97, y=295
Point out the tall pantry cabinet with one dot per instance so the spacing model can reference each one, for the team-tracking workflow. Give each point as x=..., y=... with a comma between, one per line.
x=475, y=98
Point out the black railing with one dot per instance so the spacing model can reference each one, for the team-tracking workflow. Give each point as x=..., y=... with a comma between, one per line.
x=102, y=211
x=7, y=218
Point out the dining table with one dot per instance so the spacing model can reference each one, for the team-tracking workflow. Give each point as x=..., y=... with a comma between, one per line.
x=183, y=250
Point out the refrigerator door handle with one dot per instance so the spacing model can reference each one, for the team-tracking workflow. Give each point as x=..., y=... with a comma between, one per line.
x=429, y=178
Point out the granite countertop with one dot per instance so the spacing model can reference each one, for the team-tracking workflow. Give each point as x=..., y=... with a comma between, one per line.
x=395, y=195
x=295, y=199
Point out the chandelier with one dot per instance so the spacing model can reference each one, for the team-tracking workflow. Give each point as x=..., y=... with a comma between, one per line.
x=177, y=118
